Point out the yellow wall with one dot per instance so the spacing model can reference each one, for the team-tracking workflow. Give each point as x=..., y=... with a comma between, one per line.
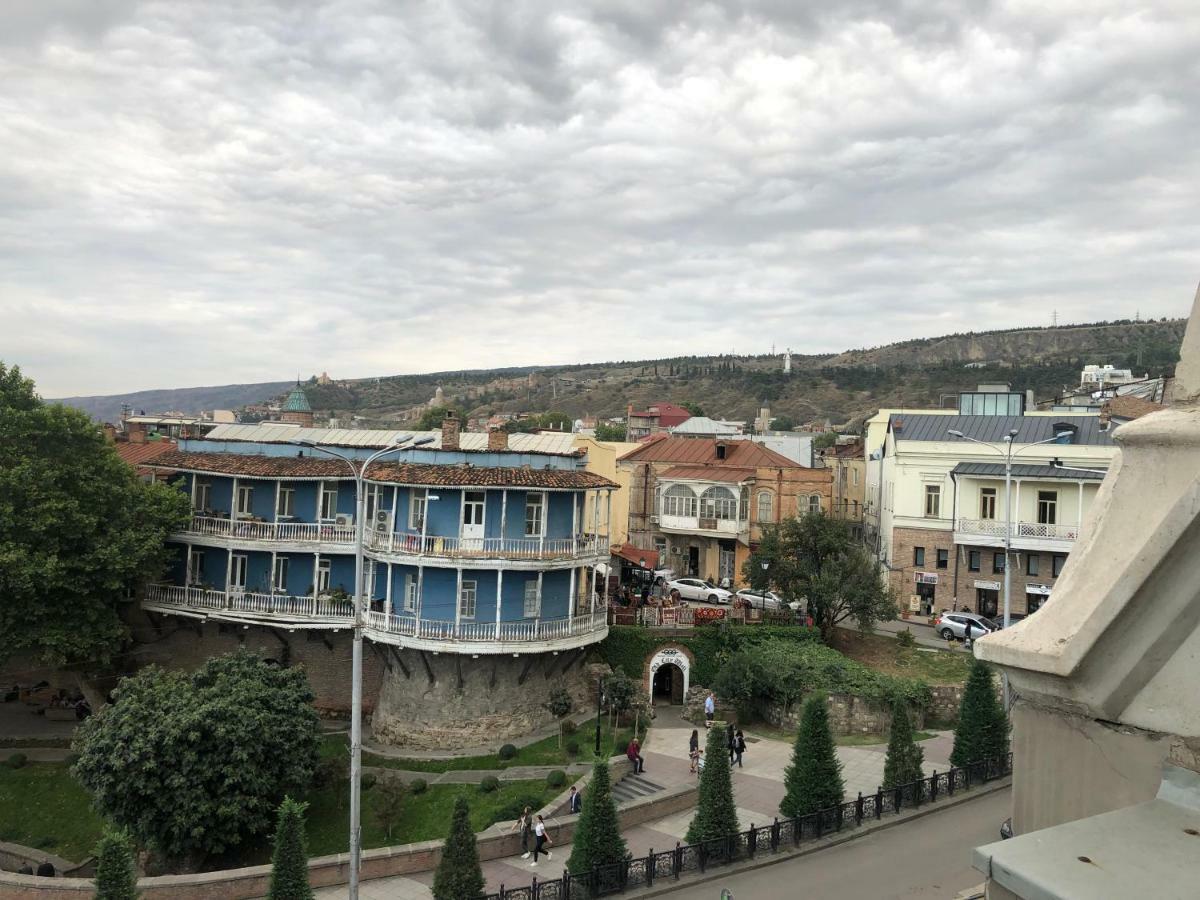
x=602, y=460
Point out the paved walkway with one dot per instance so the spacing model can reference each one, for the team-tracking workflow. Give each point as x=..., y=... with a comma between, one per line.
x=474, y=776
x=758, y=788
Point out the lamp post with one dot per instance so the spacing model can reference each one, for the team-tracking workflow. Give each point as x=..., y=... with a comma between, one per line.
x=766, y=564
x=360, y=506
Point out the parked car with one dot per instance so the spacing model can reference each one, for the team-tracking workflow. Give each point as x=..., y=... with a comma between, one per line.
x=953, y=625
x=699, y=589
x=769, y=600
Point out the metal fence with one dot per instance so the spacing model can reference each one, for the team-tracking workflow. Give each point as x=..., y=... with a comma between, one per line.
x=644, y=871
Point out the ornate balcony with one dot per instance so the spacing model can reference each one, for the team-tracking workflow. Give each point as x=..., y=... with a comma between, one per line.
x=238, y=530
x=1025, y=535
x=704, y=525
x=584, y=548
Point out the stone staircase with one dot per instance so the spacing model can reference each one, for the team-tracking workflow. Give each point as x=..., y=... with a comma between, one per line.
x=634, y=787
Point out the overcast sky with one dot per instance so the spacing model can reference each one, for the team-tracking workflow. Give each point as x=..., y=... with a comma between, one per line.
x=228, y=190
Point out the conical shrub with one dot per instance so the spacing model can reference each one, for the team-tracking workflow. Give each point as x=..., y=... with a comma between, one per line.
x=716, y=814
x=813, y=780
x=289, y=864
x=597, y=840
x=458, y=876
x=904, y=757
x=116, y=877
x=982, y=731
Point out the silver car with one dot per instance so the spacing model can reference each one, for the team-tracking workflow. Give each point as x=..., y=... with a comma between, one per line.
x=953, y=625
x=699, y=589
x=765, y=599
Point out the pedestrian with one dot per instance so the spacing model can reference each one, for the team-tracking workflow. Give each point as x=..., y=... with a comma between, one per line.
x=524, y=824
x=541, y=839
x=729, y=740
x=739, y=746
x=693, y=747
x=699, y=763
x=576, y=800
x=967, y=633
x=634, y=752
x=710, y=709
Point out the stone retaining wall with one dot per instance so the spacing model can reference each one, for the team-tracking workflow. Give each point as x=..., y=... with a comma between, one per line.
x=848, y=714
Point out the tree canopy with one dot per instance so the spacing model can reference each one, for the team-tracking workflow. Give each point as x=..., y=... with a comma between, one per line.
x=813, y=780
x=982, y=731
x=458, y=875
x=431, y=419
x=783, y=423
x=609, y=432
x=597, y=840
x=194, y=764
x=78, y=530
x=815, y=557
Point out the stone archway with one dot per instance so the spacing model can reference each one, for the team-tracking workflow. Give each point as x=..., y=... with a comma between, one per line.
x=669, y=670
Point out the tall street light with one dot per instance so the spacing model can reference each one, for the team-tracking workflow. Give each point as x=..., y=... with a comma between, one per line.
x=360, y=506
x=766, y=564
x=1008, y=453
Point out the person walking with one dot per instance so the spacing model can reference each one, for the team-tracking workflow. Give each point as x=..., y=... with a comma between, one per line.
x=729, y=736
x=524, y=824
x=739, y=746
x=694, y=748
x=634, y=752
x=575, y=800
x=541, y=839
x=710, y=709
x=967, y=634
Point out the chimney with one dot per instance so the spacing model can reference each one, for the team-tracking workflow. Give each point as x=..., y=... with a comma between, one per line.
x=450, y=432
x=137, y=433
x=497, y=438
x=1105, y=417
x=109, y=431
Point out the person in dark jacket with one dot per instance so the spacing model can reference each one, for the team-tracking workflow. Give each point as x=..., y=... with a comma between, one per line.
x=576, y=800
x=694, y=748
x=729, y=741
x=739, y=747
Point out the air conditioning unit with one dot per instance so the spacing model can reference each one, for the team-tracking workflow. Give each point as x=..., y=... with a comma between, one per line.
x=383, y=520
x=654, y=520
x=343, y=520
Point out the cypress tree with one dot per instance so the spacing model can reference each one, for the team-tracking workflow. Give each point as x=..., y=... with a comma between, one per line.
x=716, y=816
x=458, y=876
x=115, y=875
x=813, y=780
x=597, y=840
x=904, y=757
x=982, y=731
x=289, y=864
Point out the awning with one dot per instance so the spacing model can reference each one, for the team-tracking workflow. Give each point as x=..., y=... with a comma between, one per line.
x=1037, y=473
x=647, y=559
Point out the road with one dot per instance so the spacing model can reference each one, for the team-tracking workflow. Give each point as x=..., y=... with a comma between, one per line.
x=927, y=857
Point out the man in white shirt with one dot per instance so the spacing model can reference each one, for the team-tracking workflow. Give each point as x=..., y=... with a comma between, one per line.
x=710, y=709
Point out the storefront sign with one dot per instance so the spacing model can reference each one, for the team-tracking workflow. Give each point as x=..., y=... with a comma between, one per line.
x=1043, y=589
x=927, y=578
x=988, y=585
x=914, y=603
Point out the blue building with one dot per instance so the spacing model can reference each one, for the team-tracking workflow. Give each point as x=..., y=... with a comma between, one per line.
x=476, y=550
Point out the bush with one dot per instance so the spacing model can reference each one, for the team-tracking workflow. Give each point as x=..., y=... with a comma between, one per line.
x=559, y=703
x=489, y=784
x=905, y=638
x=16, y=761
x=572, y=748
x=569, y=726
x=331, y=771
x=458, y=876
x=510, y=812
x=419, y=786
x=289, y=862
x=716, y=815
x=508, y=751
x=982, y=731
x=116, y=878
x=597, y=840
x=904, y=757
x=388, y=804
x=813, y=780
x=45, y=842
x=368, y=781
x=557, y=778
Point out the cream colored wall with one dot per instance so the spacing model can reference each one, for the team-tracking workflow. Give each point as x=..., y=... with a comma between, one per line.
x=1025, y=498
x=602, y=459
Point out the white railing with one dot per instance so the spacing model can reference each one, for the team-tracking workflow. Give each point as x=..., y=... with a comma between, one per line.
x=406, y=544
x=995, y=528
x=251, y=602
x=291, y=532
x=700, y=523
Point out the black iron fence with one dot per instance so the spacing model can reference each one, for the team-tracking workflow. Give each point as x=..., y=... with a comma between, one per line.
x=644, y=871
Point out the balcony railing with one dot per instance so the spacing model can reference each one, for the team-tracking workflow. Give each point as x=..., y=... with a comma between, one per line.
x=703, y=523
x=251, y=602
x=477, y=631
x=1031, y=530
x=279, y=532
x=485, y=548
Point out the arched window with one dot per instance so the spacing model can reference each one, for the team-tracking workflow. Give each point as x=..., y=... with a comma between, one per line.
x=679, y=500
x=766, y=507
x=718, y=503
x=814, y=503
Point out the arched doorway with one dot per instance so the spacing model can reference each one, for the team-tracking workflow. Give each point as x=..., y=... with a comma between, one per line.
x=669, y=671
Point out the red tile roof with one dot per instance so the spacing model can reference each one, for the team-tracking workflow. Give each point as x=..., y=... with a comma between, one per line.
x=709, y=473
x=136, y=455
x=257, y=466
x=702, y=451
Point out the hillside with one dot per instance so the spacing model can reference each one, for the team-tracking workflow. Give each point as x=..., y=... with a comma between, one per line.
x=836, y=387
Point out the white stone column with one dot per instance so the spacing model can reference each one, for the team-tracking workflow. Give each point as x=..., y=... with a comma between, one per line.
x=537, y=619
x=420, y=594
x=608, y=519
x=458, y=600
x=275, y=510
x=499, y=598
x=1079, y=512
x=395, y=524
x=574, y=522
x=503, y=516
x=187, y=572
x=271, y=579
x=388, y=598
x=233, y=503
x=574, y=599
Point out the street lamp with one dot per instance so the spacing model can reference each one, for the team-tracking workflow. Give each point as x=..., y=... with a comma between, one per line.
x=766, y=564
x=403, y=442
x=599, y=706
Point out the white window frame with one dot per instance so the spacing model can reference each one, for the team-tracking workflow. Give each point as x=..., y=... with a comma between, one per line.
x=203, y=494
x=766, y=507
x=719, y=502
x=986, y=495
x=324, y=573
x=410, y=592
x=933, y=492
x=418, y=506
x=285, y=503
x=814, y=503
x=196, y=574
x=244, y=501
x=532, y=606
x=536, y=503
x=680, y=500
x=324, y=503
x=240, y=561
x=281, y=568
x=469, y=503
x=1047, y=510
x=468, y=598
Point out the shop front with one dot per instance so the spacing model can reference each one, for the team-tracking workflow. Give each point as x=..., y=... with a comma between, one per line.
x=926, y=586
x=1035, y=596
x=987, y=598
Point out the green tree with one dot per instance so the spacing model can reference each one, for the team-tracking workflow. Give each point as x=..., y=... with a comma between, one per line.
x=982, y=731
x=608, y=432
x=116, y=878
x=693, y=407
x=193, y=764
x=78, y=531
x=619, y=689
x=813, y=780
x=716, y=815
x=817, y=558
x=431, y=419
x=825, y=440
x=783, y=423
x=555, y=421
x=597, y=840
x=387, y=802
x=904, y=757
x=289, y=863
x=458, y=876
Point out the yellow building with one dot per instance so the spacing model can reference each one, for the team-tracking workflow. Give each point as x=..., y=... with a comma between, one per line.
x=602, y=460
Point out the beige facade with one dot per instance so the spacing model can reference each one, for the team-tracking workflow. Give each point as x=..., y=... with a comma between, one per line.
x=602, y=459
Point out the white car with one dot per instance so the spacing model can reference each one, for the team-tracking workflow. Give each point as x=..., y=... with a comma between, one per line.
x=699, y=589
x=766, y=600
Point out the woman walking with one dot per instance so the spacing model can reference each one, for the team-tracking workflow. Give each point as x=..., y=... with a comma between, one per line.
x=729, y=740
x=524, y=824
x=694, y=748
x=739, y=746
x=541, y=840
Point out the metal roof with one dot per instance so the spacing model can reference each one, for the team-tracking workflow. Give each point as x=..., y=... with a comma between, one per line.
x=996, y=470
x=992, y=429
x=557, y=443
x=703, y=451
x=705, y=425
x=297, y=401
x=708, y=473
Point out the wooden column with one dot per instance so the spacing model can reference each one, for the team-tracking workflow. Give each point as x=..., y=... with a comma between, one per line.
x=499, y=598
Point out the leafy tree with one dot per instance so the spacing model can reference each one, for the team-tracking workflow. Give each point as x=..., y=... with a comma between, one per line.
x=193, y=764
x=816, y=557
x=608, y=432
x=716, y=814
x=904, y=757
x=431, y=419
x=387, y=800
x=813, y=780
x=694, y=408
x=619, y=689
x=78, y=531
x=458, y=876
x=597, y=840
x=783, y=423
x=556, y=421
x=116, y=878
x=982, y=731
x=825, y=440
x=289, y=864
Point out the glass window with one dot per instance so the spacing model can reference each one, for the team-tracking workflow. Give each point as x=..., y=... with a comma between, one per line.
x=933, y=501
x=974, y=560
x=998, y=562
x=279, y=583
x=1032, y=563
x=466, y=600
x=1047, y=507
x=718, y=503
x=535, y=514
x=530, y=610
x=943, y=559
x=814, y=504
x=679, y=500
x=854, y=477
x=418, y=500
x=203, y=495
x=1056, y=563
x=245, y=500
x=196, y=575
x=410, y=593
x=285, y=505
x=918, y=556
x=328, y=499
x=473, y=505
x=987, y=503
x=322, y=576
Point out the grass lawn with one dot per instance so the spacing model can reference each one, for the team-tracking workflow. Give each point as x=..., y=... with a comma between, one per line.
x=884, y=654
x=545, y=752
x=42, y=806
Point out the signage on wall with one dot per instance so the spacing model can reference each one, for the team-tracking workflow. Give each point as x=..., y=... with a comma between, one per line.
x=927, y=578
x=914, y=603
x=988, y=585
x=1043, y=589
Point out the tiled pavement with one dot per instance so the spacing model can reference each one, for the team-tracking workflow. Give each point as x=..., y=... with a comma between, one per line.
x=757, y=791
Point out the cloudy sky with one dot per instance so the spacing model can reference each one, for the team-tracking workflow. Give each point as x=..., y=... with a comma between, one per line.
x=239, y=190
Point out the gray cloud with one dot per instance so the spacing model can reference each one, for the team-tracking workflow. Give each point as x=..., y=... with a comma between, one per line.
x=236, y=191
